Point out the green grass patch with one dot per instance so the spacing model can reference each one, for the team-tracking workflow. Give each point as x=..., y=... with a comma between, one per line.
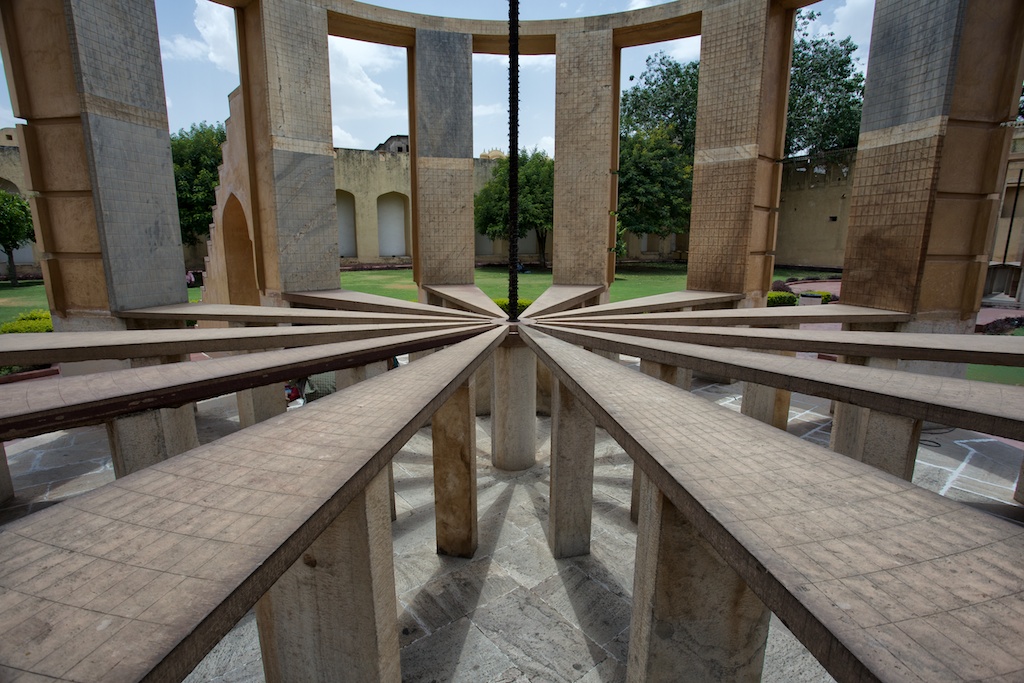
x=26, y=296
x=999, y=374
x=195, y=295
x=635, y=280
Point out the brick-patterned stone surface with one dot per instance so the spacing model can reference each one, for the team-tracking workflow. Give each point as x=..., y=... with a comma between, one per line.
x=847, y=556
x=146, y=574
x=443, y=185
x=732, y=233
x=585, y=153
x=893, y=197
x=444, y=189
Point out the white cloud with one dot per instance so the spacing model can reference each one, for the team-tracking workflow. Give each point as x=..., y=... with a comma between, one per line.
x=216, y=44
x=547, y=143
x=853, y=18
x=489, y=109
x=533, y=62
x=639, y=4
x=685, y=50
x=355, y=94
x=342, y=138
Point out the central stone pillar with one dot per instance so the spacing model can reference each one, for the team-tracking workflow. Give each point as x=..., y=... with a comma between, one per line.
x=694, y=618
x=514, y=406
x=333, y=615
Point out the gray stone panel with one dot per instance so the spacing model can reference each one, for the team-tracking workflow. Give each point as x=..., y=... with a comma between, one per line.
x=307, y=217
x=444, y=94
x=913, y=55
x=110, y=35
x=133, y=190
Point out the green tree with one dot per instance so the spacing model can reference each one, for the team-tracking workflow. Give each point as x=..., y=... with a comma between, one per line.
x=826, y=92
x=15, y=229
x=664, y=98
x=536, y=200
x=655, y=183
x=196, y=154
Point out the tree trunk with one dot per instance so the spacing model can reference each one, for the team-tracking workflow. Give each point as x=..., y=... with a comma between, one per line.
x=542, y=243
x=12, y=272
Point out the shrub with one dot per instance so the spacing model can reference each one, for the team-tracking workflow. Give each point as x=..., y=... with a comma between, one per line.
x=781, y=286
x=1002, y=326
x=826, y=297
x=37, y=320
x=782, y=299
x=523, y=304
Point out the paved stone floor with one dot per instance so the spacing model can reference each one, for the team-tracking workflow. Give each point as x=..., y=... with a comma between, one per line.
x=513, y=613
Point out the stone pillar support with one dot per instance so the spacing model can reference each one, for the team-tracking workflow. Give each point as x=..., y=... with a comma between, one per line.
x=333, y=615
x=514, y=406
x=454, y=446
x=143, y=439
x=676, y=376
x=694, y=618
x=349, y=376
x=260, y=403
x=572, y=474
x=6, y=484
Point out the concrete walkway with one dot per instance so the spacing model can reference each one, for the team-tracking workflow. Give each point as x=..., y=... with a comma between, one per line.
x=513, y=613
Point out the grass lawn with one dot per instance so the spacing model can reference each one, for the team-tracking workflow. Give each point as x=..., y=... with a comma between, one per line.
x=632, y=280
x=25, y=297
x=998, y=373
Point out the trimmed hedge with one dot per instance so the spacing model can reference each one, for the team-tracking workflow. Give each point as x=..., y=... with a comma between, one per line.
x=782, y=299
x=37, y=320
x=523, y=304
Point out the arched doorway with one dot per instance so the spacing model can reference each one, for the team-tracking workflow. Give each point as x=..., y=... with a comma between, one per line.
x=347, y=247
x=392, y=219
x=239, y=257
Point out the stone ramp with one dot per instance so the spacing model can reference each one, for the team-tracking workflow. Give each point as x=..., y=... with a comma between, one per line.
x=467, y=297
x=879, y=579
x=557, y=298
x=953, y=348
x=989, y=408
x=671, y=301
x=269, y=315
x=29, y=408
x=67, y=347
x=348, y=300
x=140, y=578
x=769, y=317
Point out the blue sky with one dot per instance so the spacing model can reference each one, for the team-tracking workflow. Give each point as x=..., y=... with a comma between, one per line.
x=368, y=82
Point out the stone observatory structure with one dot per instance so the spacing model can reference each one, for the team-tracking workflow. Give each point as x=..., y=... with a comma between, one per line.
x=879, y=579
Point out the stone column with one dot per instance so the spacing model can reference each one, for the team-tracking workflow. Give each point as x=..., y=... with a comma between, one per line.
x=931, y=156
x=86, y=77
x=260, y=403
x=572, y=474
x=741, y=126
x=514, y=406
x=455, y=473
x=694, y=618
x=586, y=149
x=442, y=158
x=333, y=615
x=285, y=82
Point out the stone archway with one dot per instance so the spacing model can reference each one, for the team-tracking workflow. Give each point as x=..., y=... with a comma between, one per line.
x=348, y=246
x=239, y=256
x=392, y=220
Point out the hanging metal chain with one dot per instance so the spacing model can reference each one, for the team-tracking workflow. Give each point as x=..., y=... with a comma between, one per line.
x=513, y=160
